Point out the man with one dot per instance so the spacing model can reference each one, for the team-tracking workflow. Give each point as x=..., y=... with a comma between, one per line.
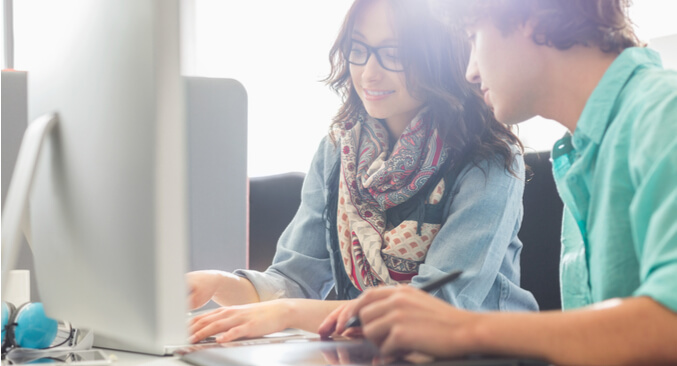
x=574, y=61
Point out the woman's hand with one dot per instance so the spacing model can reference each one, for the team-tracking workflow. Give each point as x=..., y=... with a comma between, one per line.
x=223, y=287
x=241, y=321
x=255, y=320
x=402, y=319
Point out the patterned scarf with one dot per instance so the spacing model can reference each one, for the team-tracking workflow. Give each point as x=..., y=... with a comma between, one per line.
x=373, y=181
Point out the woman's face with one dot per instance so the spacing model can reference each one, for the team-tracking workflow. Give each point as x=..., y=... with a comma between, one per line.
x=383, y=92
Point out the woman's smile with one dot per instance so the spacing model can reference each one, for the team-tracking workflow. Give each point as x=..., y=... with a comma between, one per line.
x=376, y=94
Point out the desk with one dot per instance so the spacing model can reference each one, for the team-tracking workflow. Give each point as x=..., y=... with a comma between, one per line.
x=122, y=358
x=136, y=359
x=294, y=352
x=316, y=352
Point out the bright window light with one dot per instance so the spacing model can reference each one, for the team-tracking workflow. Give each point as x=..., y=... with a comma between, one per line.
x=279, y=50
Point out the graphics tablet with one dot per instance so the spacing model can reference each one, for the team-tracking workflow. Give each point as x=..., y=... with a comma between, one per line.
x=314, y=352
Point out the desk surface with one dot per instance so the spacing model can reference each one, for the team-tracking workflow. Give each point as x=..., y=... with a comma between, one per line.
x=121, y=358
x=297, y=352
x=316, y=352
x=124, y=358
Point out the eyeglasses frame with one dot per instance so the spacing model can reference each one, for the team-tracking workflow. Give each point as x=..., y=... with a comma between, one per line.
x=370, y=50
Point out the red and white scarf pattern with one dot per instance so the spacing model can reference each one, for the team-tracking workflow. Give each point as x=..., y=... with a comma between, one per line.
x=372, y=180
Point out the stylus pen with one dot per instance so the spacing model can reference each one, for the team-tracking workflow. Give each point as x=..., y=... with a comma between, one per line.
x=429, y=286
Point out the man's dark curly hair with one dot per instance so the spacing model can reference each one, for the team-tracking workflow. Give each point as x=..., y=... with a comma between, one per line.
x=557, y=23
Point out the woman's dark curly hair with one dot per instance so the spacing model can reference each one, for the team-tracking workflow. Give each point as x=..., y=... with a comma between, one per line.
x=434, y=54
x=558, y=23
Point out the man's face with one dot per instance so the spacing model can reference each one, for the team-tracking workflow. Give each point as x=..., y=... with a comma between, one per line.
x=509, y=69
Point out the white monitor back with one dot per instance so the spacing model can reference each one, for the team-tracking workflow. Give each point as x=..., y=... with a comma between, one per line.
x=667, y=47
x=109, y=204
x=217, y=170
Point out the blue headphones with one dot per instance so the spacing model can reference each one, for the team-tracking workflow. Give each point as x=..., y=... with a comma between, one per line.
x=26, y=326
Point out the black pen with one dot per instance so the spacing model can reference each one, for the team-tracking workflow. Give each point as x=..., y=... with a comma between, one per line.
x=429, y=286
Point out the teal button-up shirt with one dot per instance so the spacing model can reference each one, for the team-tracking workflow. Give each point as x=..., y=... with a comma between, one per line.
x=617, y=176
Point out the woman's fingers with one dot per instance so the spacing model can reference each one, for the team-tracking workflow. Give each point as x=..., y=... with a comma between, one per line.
x=234, y=322
x=242, y=331
x=214, y=322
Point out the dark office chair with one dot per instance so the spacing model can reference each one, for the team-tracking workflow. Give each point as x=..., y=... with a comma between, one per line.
x=540, y=232
x=273, y=202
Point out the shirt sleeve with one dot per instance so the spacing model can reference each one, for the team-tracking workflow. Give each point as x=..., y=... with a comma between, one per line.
x=479, y=236
x=301, y=267
x=653, y=211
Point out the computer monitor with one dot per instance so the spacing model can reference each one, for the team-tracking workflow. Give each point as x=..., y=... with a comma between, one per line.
x=108, y=208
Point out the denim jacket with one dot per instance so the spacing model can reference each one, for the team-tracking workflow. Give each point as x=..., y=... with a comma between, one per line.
x=478, y=235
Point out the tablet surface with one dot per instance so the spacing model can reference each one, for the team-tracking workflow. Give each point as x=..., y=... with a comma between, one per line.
x=314, y=352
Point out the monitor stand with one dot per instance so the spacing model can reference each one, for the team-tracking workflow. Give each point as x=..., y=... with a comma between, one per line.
x=15, y=212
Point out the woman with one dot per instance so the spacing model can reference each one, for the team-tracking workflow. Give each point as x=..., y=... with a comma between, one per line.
x=416, y=179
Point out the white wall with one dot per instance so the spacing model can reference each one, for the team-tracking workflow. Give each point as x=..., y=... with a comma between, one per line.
x=667, y=46
x=279, y=51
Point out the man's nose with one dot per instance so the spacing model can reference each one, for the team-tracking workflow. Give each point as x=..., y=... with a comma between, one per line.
x=472, y=73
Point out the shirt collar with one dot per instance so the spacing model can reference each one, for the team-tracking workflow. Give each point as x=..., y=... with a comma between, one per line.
x=596, y=114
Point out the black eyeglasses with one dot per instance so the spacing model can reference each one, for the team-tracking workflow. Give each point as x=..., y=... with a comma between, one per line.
x=387, y=57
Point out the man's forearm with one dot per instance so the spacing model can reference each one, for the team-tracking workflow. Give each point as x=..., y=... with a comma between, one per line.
x=615, y=332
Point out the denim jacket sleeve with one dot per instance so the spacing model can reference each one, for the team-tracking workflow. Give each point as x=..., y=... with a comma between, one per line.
x=479, y=236
x=302, y=266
